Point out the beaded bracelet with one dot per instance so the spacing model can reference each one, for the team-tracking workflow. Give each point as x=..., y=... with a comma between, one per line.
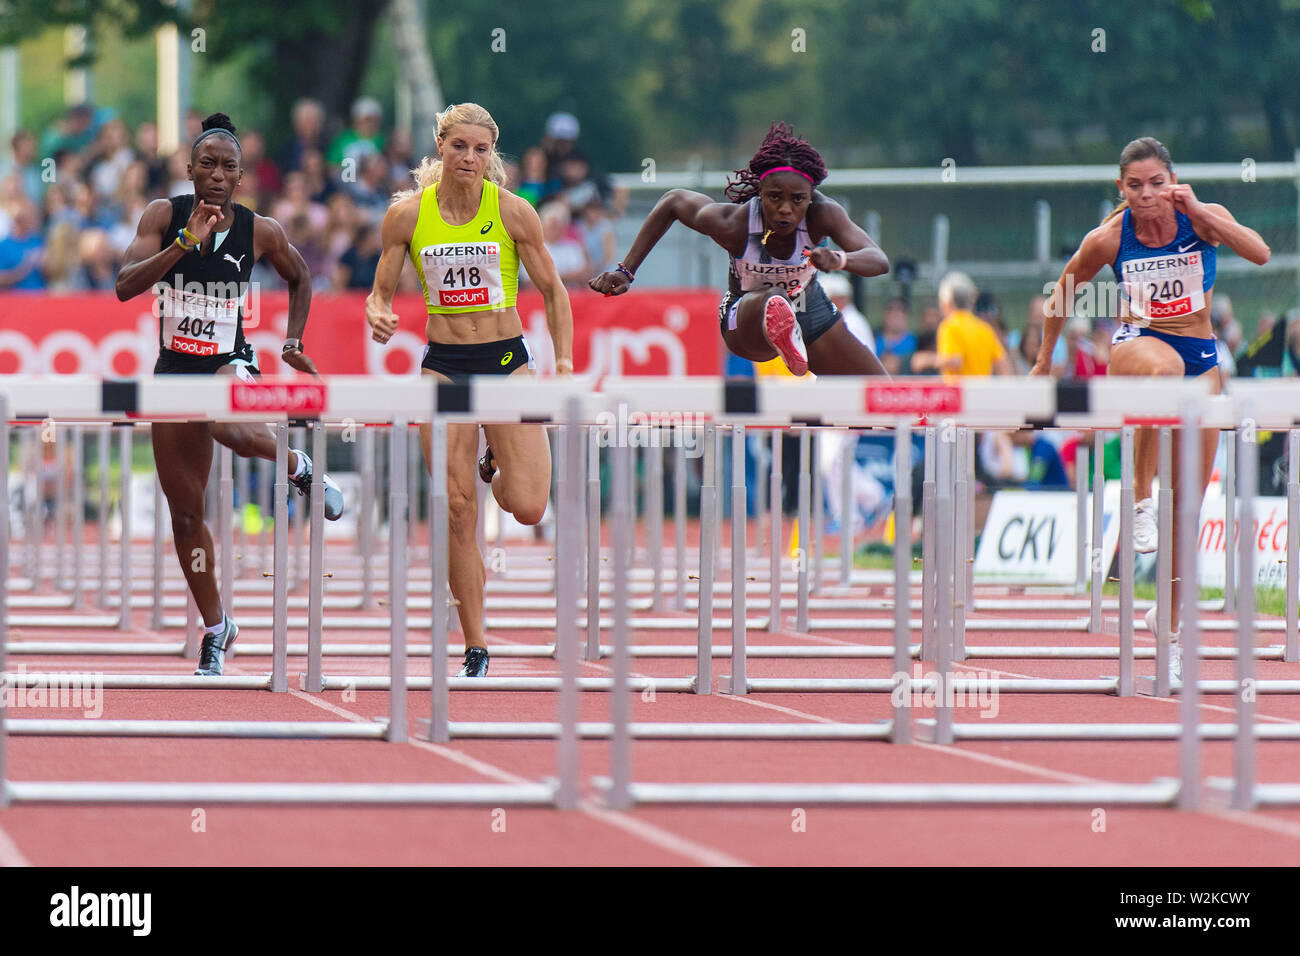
x=626, y=272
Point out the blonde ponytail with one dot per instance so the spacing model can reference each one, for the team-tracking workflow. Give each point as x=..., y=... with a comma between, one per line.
x=464, y=114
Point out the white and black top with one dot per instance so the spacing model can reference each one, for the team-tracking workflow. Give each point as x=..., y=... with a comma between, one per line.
x=203, y=302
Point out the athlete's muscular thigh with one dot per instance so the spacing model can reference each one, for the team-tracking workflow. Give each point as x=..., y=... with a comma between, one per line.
x=1145, y=355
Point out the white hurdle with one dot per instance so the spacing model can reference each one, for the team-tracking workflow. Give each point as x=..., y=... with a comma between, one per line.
x=845, y=403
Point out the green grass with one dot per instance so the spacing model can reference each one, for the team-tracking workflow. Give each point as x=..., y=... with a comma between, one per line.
x=1269, y=601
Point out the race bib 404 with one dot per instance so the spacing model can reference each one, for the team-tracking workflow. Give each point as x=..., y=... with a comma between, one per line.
x=1164, y=287
x=459, y=275
x=195, y=323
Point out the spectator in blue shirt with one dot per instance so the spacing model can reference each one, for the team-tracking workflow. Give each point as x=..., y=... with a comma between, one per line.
x=896, y=341
x=22, y=251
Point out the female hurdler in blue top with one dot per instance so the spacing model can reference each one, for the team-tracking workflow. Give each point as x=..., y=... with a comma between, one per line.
x=1162, y=243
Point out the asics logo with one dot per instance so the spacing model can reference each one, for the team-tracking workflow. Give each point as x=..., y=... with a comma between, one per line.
x=484, y=231
x=1186, y=247
x=505, y=359
x=237, y=262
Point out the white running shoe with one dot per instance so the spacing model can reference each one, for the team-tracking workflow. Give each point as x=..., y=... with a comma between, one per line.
x=1175, y=648
x=1144, y=527
x=781, y=328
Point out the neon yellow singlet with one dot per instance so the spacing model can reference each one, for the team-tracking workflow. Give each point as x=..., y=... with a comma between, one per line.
x=469, y=268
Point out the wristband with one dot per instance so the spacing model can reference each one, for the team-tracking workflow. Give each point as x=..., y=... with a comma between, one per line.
x=291, y=345
x=626, y=272
x=843, y=259
x=186, y=240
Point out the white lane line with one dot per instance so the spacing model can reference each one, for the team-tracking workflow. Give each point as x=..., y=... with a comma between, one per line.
x=10, y=855
x=663, y=839
x=1258, y=820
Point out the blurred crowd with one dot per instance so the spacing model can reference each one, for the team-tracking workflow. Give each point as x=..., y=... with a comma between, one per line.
x=70, y=200
x=963, y=332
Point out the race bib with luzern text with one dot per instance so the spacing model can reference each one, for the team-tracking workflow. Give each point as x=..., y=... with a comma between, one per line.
x=1167, y=286
x=200, y=323
x=462, y=275
x=754, y=276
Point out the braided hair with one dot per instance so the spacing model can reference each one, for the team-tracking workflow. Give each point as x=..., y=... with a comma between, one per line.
x=780, y=147
x=217, y=124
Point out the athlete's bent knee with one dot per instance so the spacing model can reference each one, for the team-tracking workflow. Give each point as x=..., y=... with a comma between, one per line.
x=462, y=515
x=186, y=522
x=530, y=513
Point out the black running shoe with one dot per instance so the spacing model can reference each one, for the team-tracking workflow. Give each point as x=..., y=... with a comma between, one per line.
x=487, y=466
x=333, y=496
x=212, y=655
x=476, y=663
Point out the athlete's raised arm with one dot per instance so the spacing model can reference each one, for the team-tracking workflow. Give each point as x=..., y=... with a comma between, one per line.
x=395, y=234
x=677, y=205
x=1214, y=223
x=525, y=228
x=151, y=254
x=270, y=241
x=1095, y=252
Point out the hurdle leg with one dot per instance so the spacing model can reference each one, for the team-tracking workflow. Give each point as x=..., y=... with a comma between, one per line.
x=60, y=579
x=124, y=444
x=1230, y=522
x=593, y=544
x=226, y=528
x=103, y=443
x=679, y=516
x=805, y=530
x=364, y=457
x=439, y=729
x=929, y=560
x=1081, y=518
x=314, y=678
x=945, y=536
x=1165, y=562
x=847, y=510
x=818, y=511
x=1095, y=548
x=961, y=594
x=265, y=482
x=1126, y=505
x=242, y=471
x=1189, y=747
x=1243, y=755
x=739, y=683
x=901, y=729
x=398, y=446
x=280, y=568
x=78, y=518
x=654, y=515
x=620, y=796
x=569, y=505
x=776, y=533
x=708, y=507
x=159, y=503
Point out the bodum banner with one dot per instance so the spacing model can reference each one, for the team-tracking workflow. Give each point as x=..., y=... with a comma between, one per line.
x=652, y=333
